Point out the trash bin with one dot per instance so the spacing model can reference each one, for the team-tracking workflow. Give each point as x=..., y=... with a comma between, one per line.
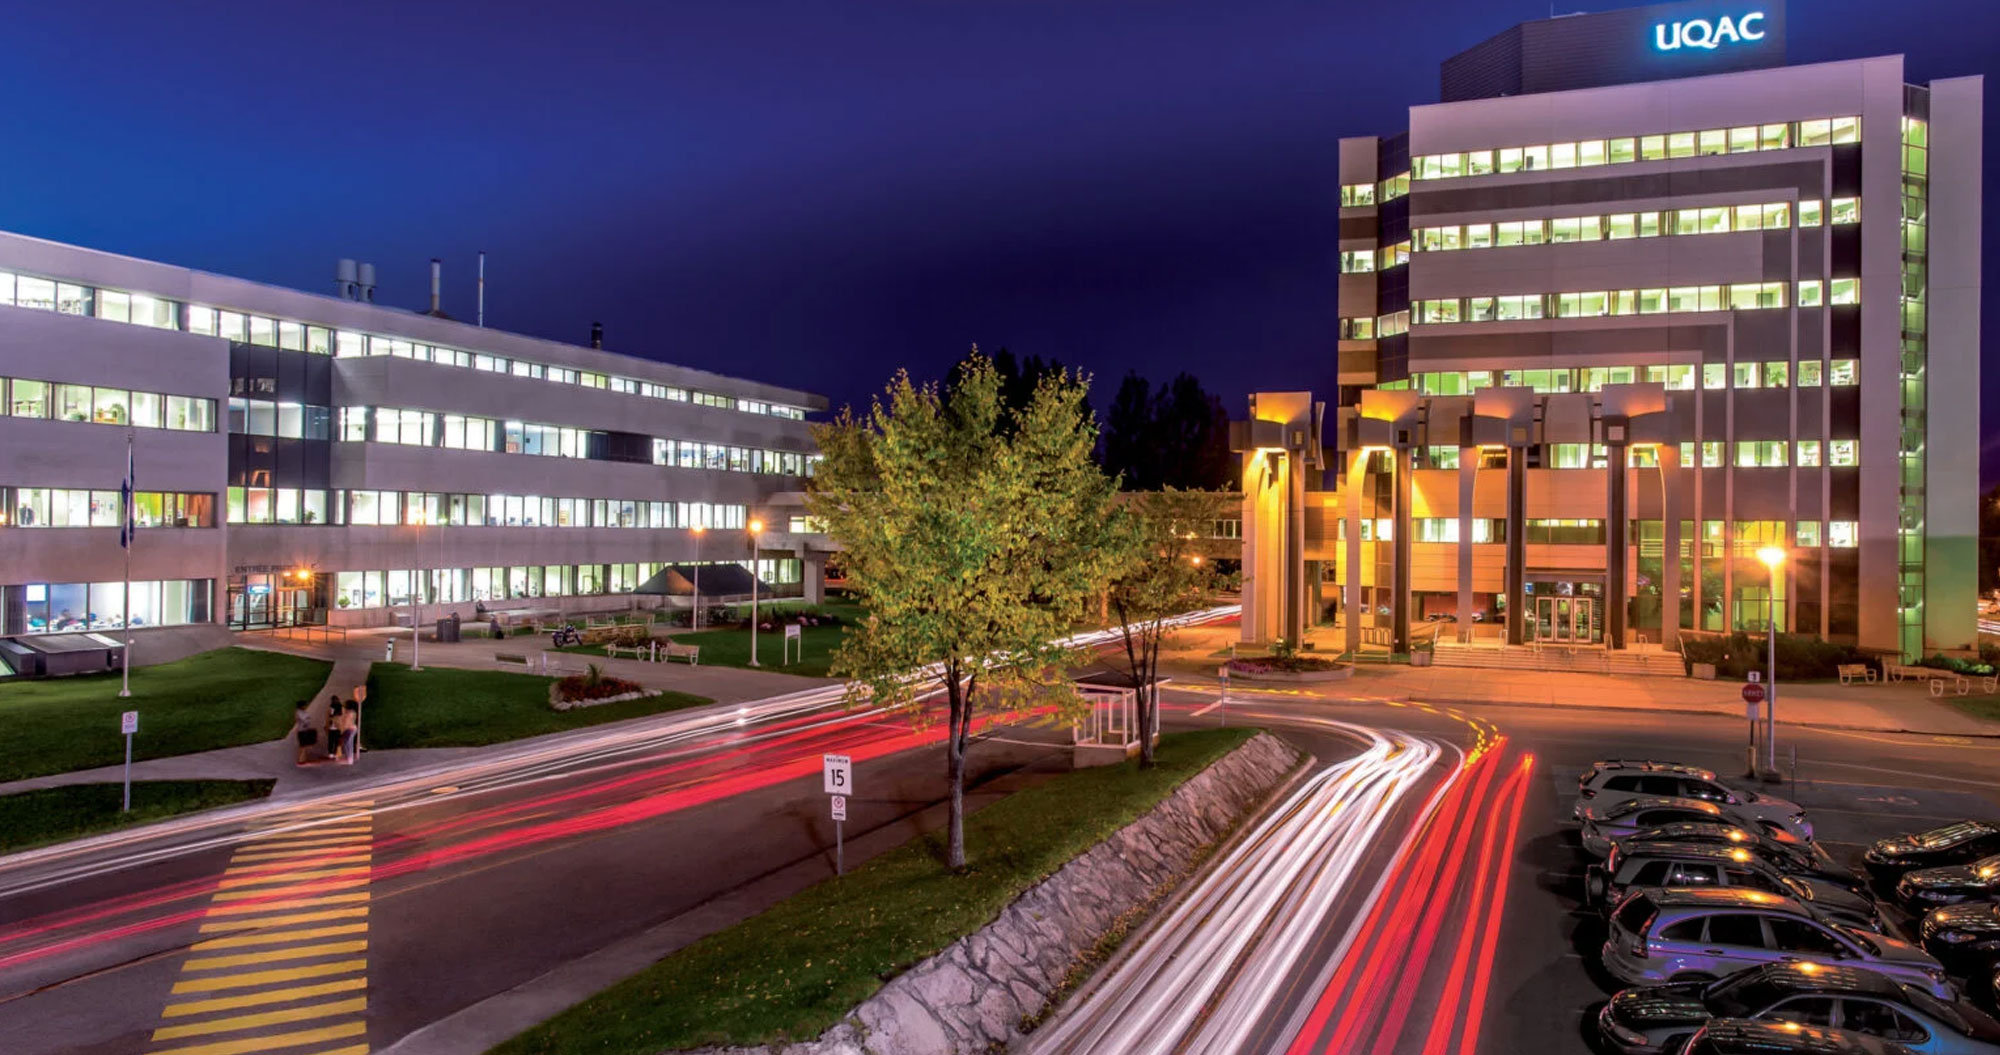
x=389, y=653
x=447, y=631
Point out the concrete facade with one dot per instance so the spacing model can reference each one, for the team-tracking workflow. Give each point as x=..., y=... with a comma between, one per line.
x=346, y=461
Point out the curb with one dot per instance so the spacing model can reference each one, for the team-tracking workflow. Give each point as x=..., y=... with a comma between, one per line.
x=1447, y=701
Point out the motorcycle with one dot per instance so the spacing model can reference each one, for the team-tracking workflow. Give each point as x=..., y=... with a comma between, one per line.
x=566, y=635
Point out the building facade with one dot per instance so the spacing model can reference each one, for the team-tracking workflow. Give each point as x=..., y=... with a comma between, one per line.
x=1634, y=303
x=324, y=458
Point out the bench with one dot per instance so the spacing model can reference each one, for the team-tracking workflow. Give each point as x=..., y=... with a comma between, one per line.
x=672, y=650
x=1856, y=672
x=613, y=651
x=1941, y=679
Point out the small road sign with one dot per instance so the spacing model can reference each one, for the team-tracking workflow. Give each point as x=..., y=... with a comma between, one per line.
x=840, y=807
x=128, y=723
x=838, y=771
x=1753, y=692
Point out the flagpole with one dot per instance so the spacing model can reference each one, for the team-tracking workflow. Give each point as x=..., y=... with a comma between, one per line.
x=125, y=534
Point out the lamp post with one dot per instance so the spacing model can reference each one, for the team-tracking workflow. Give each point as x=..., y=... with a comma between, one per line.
x=417, y=612
x=1773, y=557
x=694, y=621
x=755, y=527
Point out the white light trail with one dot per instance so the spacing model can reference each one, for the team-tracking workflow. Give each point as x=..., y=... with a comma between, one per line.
x=1227, y=946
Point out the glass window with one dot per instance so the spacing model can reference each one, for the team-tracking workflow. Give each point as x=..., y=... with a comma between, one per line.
x=73, y=403
x=1810, y=213
x=1846, y=130
x=1844, y=210
x=1776, y=374
x=1744, y=375
x=1812, y=293
x=1806, y=534
x=1843, y=452
x=1775, y=136
x=1562, y=155
x=1843, y=534
x=1534, y=158
x=1620, y=151
x=1714, y=141
x=1809, y=454
x=1714, y=375
x=1810, y=373
x=1815, y=133
x=1843, y=291
x=28, y=399
x=1844, y=372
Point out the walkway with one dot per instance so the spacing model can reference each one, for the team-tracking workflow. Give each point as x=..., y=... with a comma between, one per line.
x=1907, y=707
x=277, y=759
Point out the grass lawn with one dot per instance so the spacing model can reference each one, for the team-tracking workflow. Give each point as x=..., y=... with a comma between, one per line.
x=216, y=699
x=731, y=647
x=1978, y=707
x=795, y=970
x=441, y=707
x=34, y=818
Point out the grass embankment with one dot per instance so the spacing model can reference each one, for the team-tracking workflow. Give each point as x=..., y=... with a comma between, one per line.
x=223, y=698
x=35, y=818
x=1983, y=708
x=442, y=707
x=731, y=647
x=794, y=971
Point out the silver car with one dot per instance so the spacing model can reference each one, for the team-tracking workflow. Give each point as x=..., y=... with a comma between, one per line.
x=1607, y=783
x=1661, y=936
x=1602, y=826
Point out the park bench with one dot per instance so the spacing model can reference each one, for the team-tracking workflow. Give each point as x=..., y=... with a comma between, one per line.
x=1941, y=679
x=673, y=650
x=1851, y=673
x=613, y=651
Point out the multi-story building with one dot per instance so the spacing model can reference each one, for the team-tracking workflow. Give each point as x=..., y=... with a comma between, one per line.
x=305, y=457
x=1634, y=302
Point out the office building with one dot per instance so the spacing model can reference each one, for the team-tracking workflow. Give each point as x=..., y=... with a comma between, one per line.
x=314, y=458
x=1635, y=301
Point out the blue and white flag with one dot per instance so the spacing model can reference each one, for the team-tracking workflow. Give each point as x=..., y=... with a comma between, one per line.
x=126, y=521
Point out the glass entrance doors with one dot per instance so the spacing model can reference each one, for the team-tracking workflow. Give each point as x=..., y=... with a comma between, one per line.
x=266, y=600
x=1566, y=621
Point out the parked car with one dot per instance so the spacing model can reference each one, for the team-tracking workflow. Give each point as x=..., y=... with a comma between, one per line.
x=1739, y=1036
x=1796, y=855
x=1952, y=844
x=1659, y=936
x=1964, y=937
x=1928, y=888
x=1670, y=864
x=1609, y=782
x=1652, y=1019
x=1628, y=816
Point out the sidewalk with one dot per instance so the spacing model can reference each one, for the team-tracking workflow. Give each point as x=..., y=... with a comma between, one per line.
x=1906, y=707
x=277, y=759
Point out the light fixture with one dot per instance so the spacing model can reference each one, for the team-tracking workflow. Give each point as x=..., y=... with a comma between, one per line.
x=1772, y=556
x=756, y=526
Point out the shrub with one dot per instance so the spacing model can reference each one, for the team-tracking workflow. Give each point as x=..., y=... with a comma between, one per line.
x=594, y=684
x=1276, y=664
x=1941, y=661
x=1799, y=657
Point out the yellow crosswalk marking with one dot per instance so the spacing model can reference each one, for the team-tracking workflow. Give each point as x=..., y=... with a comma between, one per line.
x=276, y=937
x=350, y=846
x=262, y=1018
x=246, y=863
x=315, y=887
x=296, y=952
x=272, y=1041
x=268, y=996
x=274, y=905
x=295, y=876
x=307, y=837
x=310, y=829
x=286, y=974
x=223, y=926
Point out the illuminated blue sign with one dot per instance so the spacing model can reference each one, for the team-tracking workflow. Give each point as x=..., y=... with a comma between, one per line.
x=1708, y=35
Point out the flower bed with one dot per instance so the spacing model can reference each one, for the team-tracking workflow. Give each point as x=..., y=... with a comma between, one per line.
x=1288, y=668
x=592, y=688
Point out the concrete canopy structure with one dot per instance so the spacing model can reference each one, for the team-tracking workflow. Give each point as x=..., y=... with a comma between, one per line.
x=1611, y=324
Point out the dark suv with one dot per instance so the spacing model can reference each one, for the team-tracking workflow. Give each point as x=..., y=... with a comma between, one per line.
x=1669, y=864
x=1736, y=1036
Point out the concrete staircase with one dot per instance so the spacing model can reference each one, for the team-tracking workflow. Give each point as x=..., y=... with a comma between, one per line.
x=1628, y=663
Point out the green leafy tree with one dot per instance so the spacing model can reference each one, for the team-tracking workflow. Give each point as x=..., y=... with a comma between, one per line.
x=973, y=537
x=1165, y=575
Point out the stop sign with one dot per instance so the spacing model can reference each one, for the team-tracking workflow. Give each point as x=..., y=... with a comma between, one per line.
x=1753, y=693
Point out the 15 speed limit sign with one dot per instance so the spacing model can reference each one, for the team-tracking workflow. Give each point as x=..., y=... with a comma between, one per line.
x=838, y=771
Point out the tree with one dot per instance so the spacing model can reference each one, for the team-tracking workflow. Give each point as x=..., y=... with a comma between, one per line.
x=1173, y=436
x=1989, y=540
x=1164, y=575
x=973, y=546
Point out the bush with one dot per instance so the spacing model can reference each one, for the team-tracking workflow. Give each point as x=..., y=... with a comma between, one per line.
x=594, y=684
x=1277, y=664
x=1940, y=661
x=1736, y=655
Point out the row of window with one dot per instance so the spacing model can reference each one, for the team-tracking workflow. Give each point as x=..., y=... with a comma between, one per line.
x=1750, y=454
x=397, y=587
x=423, y=428
x=1776, y=373
x=1721, y=219
x=48, y=608
x=291, y=505
x=1838, y=534
x=39, y=507
x=1589, y=153
x=1741, y=296
x=104, y=405
x=144, y=309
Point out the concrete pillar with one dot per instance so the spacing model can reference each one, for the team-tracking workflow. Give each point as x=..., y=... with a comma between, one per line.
x=1617, y=522
x=1352, y=497
x=1517, y=544
x=1468, y=474
x=1399, y=599
x=1295, y=548
x=812, y=566
x=1670, y=544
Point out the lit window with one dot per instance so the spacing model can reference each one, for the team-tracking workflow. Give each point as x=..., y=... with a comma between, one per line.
x=1843, y=453
x=1844, y=372
x=1809, y=451
x=1812, y=293
x=1844, y=210
x=1807, y=534
x=1843, y=534
x=1843, y=291
x=1810, y=373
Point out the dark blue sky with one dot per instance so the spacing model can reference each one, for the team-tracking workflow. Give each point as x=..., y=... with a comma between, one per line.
x=811, y=193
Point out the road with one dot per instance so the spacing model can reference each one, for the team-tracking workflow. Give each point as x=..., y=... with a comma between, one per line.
x=1370, y=914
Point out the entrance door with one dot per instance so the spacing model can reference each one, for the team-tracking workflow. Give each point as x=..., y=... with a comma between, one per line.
x=1565, y=620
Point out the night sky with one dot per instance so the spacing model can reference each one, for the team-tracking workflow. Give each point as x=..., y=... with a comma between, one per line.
x=806, y=193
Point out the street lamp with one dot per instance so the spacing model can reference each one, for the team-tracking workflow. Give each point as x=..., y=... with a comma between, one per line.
x=1773, y=557
x=755, y=527
x=417, y=615
x=695, y=620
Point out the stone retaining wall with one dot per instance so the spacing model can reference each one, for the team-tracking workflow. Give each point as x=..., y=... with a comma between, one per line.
x=974, y=996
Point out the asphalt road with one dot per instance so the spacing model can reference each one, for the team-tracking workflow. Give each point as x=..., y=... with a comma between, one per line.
x=373, y=919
